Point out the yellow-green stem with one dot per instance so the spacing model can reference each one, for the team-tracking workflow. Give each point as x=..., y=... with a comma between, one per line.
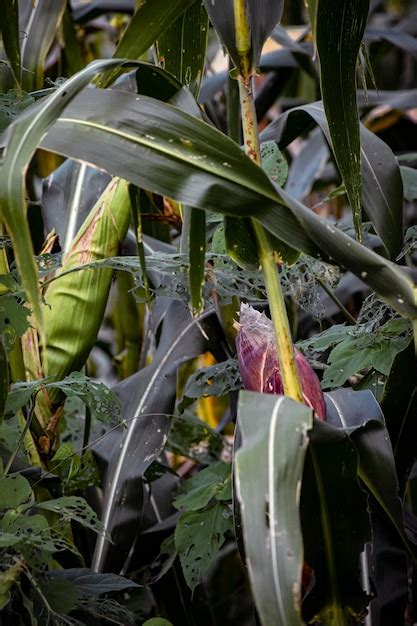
x=285, y=349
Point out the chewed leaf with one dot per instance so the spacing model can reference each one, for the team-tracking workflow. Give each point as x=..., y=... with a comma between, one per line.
x=199, y=536
x=212, y=482
x=74, y=508
x=274, y=162
x=14, y=490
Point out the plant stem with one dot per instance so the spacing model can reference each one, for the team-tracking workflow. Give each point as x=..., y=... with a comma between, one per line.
x=285, y=348
x=349, y=317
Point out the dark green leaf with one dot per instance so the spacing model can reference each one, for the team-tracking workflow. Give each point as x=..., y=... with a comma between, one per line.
x=339, y=32
x=220, y=177
x=378, y=473
x=193, y=438
x=360, y=352
x=212, y=482
x=216, y=380
x=199, y=535
x=236, y=186
x=409, y=177
x=89, y=583
x=272, y=453
x=14, y=490
x=73, y=508
x=335, y=534
x=381, y=179
x=9, y=26
x=102, y=402
x=147, y=399
x=18, y=145
x=61, y=595
x=182, y=47
x=148, y=23
x=43, y=24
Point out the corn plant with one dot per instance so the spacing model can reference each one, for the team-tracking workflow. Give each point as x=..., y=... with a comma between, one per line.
x=207, y=312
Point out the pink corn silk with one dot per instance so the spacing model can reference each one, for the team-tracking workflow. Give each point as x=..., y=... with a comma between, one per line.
x=258, y=362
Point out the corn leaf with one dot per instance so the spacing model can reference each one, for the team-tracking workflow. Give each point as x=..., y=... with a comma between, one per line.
x=40, y=33
x=273, y=450
x=188, y=160
x=339, y=30
x=381, y=178
x=17, y=146
x=147, y=400
x=9, y=26
x=182, y=47
x=334, y=537
x=147, y=24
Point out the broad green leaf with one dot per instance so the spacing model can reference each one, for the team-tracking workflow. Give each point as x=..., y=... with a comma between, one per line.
x=73, y=508
x=240, y=243
x=353, y=355
x=350, y=410
x=8, y=539
x=199, y=535
x=191, y=437
x=339, y=32
x=17, y=146
x=268, y=473
x=102, y=402
x=360, y=351
x=212, y=482
x=217, y=380
x=381, y=180
x=9, y=26
x=148, y=401
x=378, y=473
x=13, y=319
x=409, y=177
x=148, y=23
x=42, y=27
x=220, y=177
x=398, y=406
x=182, y=47
x=326, y=339
x=14, y=491
x=89, y=583
x=274, y=162
x=190, y=154
x=61, y=595
x=157, y=621
x=336, y=526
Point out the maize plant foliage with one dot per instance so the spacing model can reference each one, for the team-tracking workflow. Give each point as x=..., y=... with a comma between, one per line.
x=208, y=310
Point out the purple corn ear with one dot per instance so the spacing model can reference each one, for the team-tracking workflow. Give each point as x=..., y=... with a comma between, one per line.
x=258, y=362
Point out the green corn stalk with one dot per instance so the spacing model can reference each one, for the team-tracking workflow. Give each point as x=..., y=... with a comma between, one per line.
x=75, y=303
x=129, y=319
